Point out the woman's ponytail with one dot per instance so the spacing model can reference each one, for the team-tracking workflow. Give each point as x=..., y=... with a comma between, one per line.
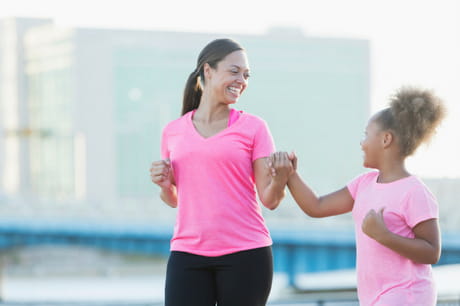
x=192, y=93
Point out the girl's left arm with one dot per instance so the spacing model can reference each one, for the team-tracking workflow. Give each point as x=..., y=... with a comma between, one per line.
x=424, y=248
x=271, y=188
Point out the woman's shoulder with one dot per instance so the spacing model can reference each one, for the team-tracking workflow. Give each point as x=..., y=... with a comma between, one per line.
x=249, y=115
x=177, y=123
x=252, y=119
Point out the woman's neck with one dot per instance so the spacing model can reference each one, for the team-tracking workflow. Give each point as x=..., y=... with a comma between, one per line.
x=209, y=111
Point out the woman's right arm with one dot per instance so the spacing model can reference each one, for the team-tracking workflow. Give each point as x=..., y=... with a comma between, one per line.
x=162, y=175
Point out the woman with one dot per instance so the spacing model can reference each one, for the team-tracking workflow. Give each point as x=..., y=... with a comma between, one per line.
x=214, y=160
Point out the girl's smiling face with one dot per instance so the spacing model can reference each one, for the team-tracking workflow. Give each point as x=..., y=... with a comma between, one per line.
x=372, y=144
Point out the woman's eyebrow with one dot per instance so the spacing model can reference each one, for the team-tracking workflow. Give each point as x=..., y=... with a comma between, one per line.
x=239, y=67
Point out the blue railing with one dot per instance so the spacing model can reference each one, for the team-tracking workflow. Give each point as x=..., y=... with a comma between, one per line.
x=295, y=251
x=312, y=250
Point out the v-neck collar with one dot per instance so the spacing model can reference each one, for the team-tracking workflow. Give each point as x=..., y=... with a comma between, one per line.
x=218, y=134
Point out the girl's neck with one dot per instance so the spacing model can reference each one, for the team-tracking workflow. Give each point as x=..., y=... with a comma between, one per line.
x=392, y=172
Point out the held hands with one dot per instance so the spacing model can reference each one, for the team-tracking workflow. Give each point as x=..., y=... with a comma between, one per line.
x=161, y=173
x=373, y=224
x=281, y=165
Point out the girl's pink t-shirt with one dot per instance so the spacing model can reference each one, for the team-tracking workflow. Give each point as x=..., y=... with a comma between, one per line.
x=384, y=276
x=218, y=212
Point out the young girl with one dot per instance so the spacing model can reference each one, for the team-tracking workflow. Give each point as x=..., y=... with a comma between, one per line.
x=396, y=216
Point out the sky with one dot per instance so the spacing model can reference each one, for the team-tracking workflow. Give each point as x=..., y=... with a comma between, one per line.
x=413, y=42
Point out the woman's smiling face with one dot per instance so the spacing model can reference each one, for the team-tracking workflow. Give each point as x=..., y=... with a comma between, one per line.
x=230, y=78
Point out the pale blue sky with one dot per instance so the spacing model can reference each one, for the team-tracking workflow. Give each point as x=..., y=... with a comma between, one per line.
x=412, y=41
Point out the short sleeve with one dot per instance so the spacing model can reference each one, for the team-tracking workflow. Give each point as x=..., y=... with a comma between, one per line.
x=353, y=186
x=164, y=145
x=263, y=142
x=421, y=205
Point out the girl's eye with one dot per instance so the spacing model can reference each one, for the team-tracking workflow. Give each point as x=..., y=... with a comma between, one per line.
x=247, y=75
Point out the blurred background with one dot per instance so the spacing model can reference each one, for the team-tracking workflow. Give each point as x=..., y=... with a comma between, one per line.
x=87, y=86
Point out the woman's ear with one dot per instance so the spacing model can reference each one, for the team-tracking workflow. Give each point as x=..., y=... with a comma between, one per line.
x=388, y=139
x=207, y=71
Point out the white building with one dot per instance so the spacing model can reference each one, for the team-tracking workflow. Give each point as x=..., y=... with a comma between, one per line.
x=14, y=161
x=93, y=102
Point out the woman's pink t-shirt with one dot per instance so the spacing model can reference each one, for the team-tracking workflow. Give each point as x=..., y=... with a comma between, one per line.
x=218, y=212
x=384, y=276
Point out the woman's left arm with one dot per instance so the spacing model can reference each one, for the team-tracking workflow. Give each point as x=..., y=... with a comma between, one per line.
x=271, y=188
x=424, y=248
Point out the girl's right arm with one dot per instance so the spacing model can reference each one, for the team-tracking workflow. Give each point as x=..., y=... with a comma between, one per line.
x=162, y=175
x=335, y=203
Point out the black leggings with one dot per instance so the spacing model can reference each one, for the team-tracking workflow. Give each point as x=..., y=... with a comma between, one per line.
x=238, y=279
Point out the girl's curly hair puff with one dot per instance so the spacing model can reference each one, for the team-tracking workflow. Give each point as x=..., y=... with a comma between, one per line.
x=413, y=117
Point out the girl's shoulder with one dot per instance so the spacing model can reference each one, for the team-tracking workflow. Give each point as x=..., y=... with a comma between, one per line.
x=415, y=184
x=361, y=181
x=370, y=176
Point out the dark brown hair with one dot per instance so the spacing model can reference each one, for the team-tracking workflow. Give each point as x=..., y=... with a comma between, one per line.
x=212, y=54
x=413, y=116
